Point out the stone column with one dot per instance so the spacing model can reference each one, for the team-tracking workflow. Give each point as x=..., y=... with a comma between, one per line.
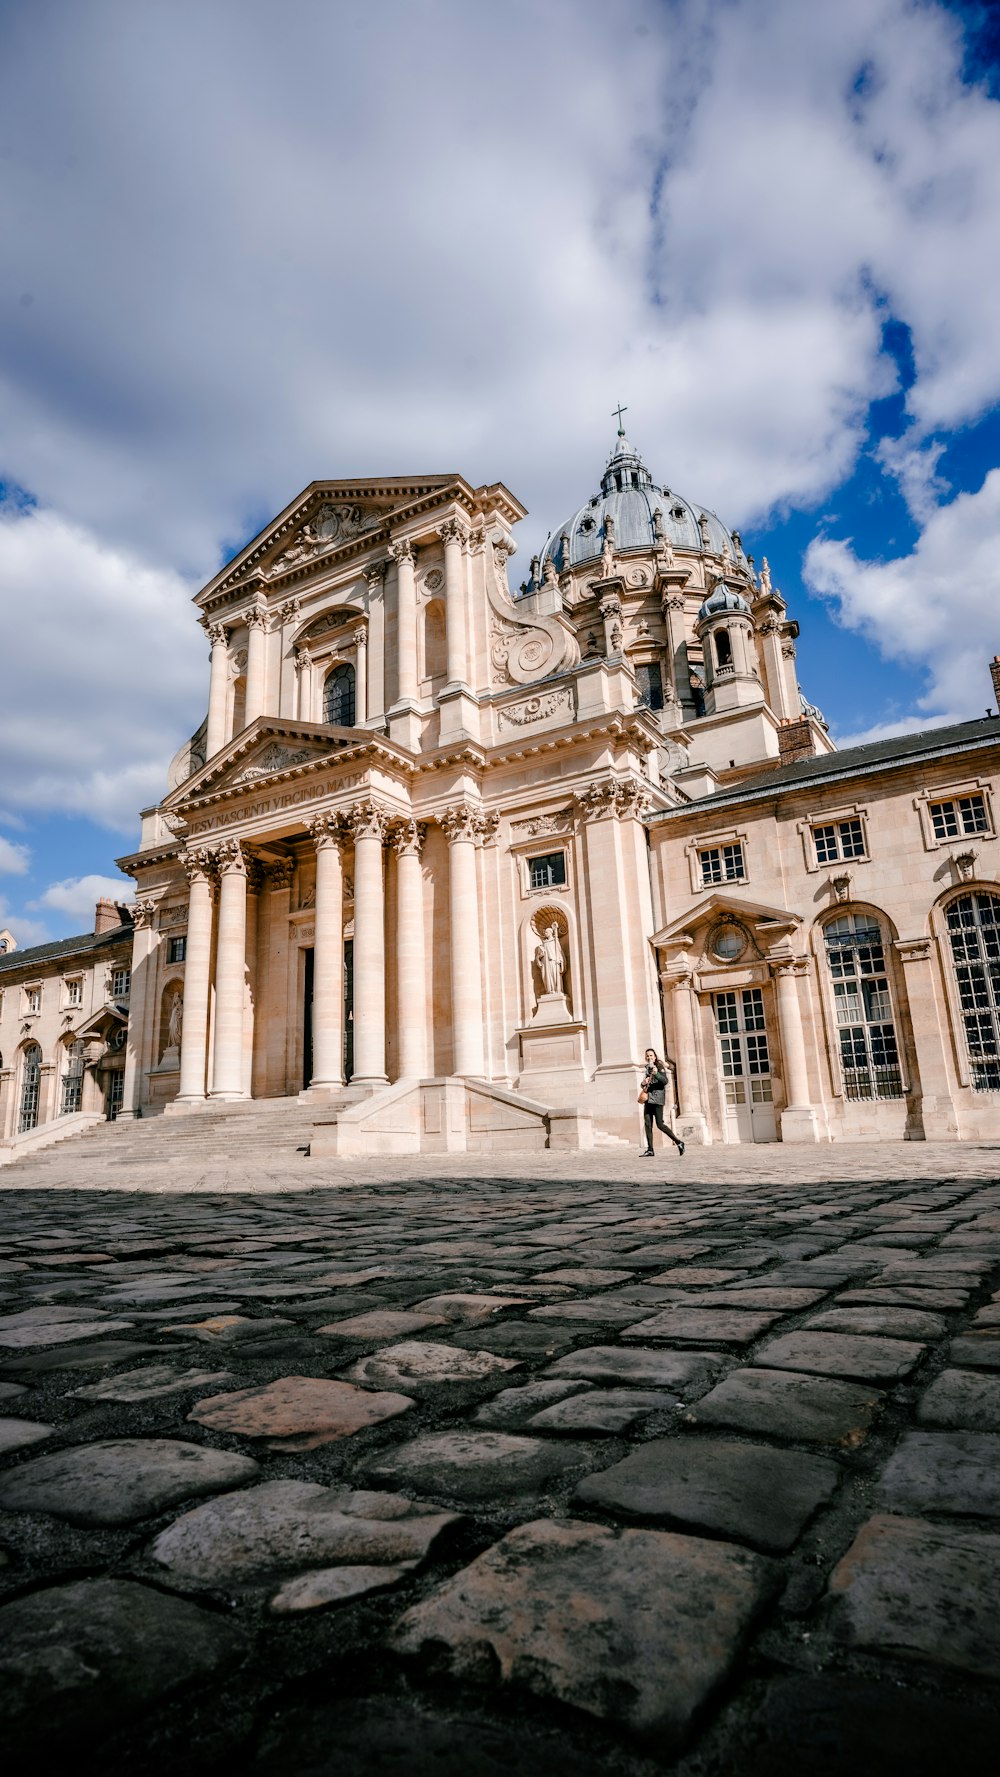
x=328, y=957
x=376, y=698
x=303, y=682
x=462, y=825
x=936, y=1106
x=450, y=534
x=230, y=972
x=692, y=1121
x=798, y=1119
x=368, y=822
x=142, y=1000
x=256, y=663
x=361, y=676
x=200, y=867
x=611, y=617
x=218, y=693
x=280, y=1016
x=287, y=693
x=411, y=979
x=255, y=882
x=406, y=621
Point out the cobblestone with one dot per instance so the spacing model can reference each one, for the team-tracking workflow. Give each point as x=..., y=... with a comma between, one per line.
x=483, y=1464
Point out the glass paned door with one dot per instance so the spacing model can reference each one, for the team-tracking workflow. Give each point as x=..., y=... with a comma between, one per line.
x=746, y=1065
x=31, y=1085
x=974, y=930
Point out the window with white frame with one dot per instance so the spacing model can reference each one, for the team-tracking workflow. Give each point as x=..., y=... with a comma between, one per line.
x=974, y=932
x=72, y=1080
x=74, y=991
x=548, y=871
x=836, y=840
x=869, y=1053
x=121, y=981
x=722, y=863
x=32, y=999
x=959, y=816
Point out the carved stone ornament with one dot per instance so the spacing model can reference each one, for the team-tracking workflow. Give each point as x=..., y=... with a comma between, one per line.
x=611, y=607
x=914, y=950
x=450, y=531
x=256, y=617
x=375, y=574
x=303, y=660
x=462, y=821
x=368, y=820
x=231, y=859
x=255, y=875
x=434, y=580
x=627, y=798
x=408, y=838
x=142, y=913
x=965, y=865
x=217, y=634
x=326, y=830
x=524, y=647
x=331, y=526
x=359, y=636
x=199, y=864
x=289, y=612
x=174, y=823
x=401, y=551
x=841, y=886
x=280, y=873
x=273, y=758
x=537, y=709
x=542, y=825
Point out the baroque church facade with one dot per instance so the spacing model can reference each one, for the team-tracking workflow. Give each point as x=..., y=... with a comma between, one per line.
x=446, y=859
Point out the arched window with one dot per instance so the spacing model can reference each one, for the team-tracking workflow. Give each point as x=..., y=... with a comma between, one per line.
x=72, y=1080
x=723, y=649
x=869, y=1054
x=974, y=931
x=338, y=697
x=31, y=1082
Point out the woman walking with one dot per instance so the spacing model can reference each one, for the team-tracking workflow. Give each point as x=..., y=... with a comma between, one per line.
x=652, y=1097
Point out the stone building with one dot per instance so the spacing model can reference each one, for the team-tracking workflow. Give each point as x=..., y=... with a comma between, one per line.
x=63, y=1021
x=440, y=852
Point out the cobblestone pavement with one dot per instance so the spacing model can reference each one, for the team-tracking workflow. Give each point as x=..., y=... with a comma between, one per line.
x=550, y=1464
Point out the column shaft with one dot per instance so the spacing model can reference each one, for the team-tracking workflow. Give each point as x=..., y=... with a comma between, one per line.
x=230, y=975
x=369, y=948
x=328, y=958
x=141, y=1002
x=256, y=647
x=454, y=603
x=466, y=964
x=793, y=1048
x=411, y=984
x=685, y=1053
x=215, y=736
x=406, y=622
x=197, y=968
x=361, y=678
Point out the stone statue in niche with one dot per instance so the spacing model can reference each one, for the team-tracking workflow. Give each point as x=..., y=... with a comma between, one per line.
x=550, y=960
x=171, y=1056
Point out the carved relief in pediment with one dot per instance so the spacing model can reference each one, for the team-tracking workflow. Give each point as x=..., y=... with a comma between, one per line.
x=273, y=758
x=331, y=525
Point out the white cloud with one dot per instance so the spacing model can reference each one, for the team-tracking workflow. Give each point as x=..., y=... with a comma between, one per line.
x=79, y=895
x=26, y=931
x=257, y=247
x=14, y=859
x=935, y=608
x=109, y=667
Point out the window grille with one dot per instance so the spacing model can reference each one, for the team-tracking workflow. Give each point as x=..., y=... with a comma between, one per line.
x=839, y=839
x=115, y=1095
x=649, y=680
x=722, y=863
x=338, y=697
x=547, y=872
x=746, y=1062
x=31, y=1083
x=72, y=1080
x=974, y=931
x=869, y=1054
x=959, y=815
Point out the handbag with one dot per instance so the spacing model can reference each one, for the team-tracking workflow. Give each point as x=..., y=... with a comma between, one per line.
x=643, y=1096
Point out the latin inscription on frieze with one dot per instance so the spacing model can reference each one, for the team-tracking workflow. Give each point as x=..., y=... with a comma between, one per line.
x=264, y=805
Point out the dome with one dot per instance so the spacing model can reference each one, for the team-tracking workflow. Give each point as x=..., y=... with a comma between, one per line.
x=724, y=601
x=642, y=514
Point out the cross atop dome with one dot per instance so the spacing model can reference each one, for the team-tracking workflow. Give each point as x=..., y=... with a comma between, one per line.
x=617, y=412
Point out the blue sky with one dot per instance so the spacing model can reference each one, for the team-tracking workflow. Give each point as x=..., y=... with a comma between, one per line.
x=247, y=245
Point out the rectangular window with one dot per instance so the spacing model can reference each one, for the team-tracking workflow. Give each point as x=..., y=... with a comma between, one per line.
x=121, y=981
x=722, y=863
x=32, y=999
x=959, y=815
x=839, y=839
x=649, y=680
x=547, y=872
x=176, y=950
x=74, y=993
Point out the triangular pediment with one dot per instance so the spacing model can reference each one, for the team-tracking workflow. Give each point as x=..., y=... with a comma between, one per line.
x=768, y=919
x=102, y=1024
x=265, y=751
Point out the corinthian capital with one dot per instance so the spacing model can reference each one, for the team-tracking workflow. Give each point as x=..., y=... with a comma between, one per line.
x=256, y=617
x=450, y=531
x=217, y=634
x=199, y=864
x=464, y=820
x=279, y=874
x=375, y=575
x=142, y=913
x=367, y=820
x=401, y=551
x=326, y=830
x=289, y=611
x=230, y=857
x=359, y=636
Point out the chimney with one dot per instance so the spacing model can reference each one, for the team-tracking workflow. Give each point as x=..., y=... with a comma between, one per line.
x=995, y=675
x=795, y=740
x=109, y=915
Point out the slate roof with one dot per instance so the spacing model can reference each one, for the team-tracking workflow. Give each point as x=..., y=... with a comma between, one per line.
x=84, y=945
x=853, y=762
